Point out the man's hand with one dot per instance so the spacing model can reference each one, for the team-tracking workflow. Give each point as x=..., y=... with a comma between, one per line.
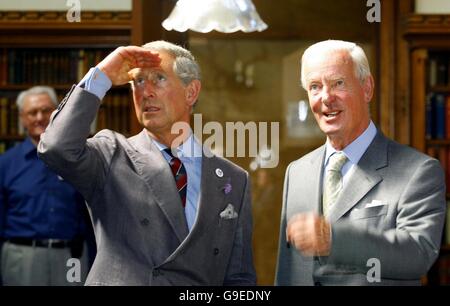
x=310, y=234
x=119, y=62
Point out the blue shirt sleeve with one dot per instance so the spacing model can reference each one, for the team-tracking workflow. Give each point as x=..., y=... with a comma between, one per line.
x=96, y=82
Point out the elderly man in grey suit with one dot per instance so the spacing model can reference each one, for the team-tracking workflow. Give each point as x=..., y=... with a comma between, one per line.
x=361, y=209
x=163, y=212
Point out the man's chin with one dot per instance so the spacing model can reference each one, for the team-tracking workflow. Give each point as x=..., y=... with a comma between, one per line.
x=152, y=126
x=36, y=133
x=329, y=130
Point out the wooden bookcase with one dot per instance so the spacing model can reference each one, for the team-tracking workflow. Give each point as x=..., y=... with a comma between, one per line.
x=42, y=48
x=429, y=45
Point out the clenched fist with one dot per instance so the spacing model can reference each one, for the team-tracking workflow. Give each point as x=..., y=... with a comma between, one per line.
x=310, y=234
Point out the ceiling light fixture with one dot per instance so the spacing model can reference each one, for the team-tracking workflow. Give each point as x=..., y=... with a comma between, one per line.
x=221, y=15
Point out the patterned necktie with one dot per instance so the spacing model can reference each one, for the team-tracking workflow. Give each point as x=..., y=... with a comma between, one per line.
x=180, y=175
x=333, y=180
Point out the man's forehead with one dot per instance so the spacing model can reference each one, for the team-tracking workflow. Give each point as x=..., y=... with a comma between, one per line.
x=330, y=65
x=165, y=66
x=37, y=100
x=137, y=71
x=328, y=58
x=326, y=74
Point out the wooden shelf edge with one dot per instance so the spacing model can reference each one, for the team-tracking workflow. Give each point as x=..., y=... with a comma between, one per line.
x=426, y=24
x=438, y=142
x=48, y=19
x=440, y=88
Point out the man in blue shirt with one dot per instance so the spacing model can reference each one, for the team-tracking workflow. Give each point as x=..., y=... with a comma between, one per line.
x=42, y=217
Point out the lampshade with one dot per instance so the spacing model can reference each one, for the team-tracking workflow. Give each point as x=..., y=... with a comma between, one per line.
x=221, y=15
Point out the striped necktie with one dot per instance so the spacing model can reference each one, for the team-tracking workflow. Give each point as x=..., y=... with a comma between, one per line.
x=180, y=175
x=333, y=181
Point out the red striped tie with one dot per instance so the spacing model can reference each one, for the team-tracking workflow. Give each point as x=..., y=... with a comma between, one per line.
x=180, y=175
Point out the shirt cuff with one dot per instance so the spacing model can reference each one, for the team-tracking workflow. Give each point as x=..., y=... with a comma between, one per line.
x=96, y=82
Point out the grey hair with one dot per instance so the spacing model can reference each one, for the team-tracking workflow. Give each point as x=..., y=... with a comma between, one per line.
x=359, y=58
x=36, y=90
x=185, y=66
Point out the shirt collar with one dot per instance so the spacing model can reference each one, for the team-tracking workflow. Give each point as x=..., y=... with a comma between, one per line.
x=28, y=147
x=355, y=150
x=190, y=148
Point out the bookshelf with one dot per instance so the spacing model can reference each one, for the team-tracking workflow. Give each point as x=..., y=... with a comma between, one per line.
x=428, y=37
x=42, y=48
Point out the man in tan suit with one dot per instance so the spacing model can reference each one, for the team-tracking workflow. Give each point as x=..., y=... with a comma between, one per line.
x=362, y=209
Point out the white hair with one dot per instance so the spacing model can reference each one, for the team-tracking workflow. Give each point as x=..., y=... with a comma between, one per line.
x=185, y=66
x=359, y=58
x=36, y=90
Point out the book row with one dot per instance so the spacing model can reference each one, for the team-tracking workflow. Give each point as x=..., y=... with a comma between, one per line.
x=439, y=69
x=43, y=66
x=437, y=119
x=114, y=113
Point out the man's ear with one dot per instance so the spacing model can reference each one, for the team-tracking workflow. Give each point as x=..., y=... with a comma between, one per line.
x=368, y=88
x=22, y=118
x=192, y=91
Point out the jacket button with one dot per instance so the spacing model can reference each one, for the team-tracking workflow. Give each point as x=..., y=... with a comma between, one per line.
x=145, y=222
x=216, y=251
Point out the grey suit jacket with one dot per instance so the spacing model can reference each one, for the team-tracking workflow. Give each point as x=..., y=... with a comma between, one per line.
x=401, y=227
x=140, y=228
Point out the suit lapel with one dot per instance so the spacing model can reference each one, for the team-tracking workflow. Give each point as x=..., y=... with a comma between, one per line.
x=212, y=197
x=363, y=179
x=154, y=169
x=211, y=201
x=315, y=180
x=306, y=184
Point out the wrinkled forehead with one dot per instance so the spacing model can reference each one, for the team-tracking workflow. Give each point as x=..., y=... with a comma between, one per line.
x=165, y=66
x=329, y=65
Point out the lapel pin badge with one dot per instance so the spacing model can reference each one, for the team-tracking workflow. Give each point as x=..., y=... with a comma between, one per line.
x=219, y=172
x=227, y=188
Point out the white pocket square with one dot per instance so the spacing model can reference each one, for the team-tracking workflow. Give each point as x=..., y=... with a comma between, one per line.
x=375, y=203
x=229, y=212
